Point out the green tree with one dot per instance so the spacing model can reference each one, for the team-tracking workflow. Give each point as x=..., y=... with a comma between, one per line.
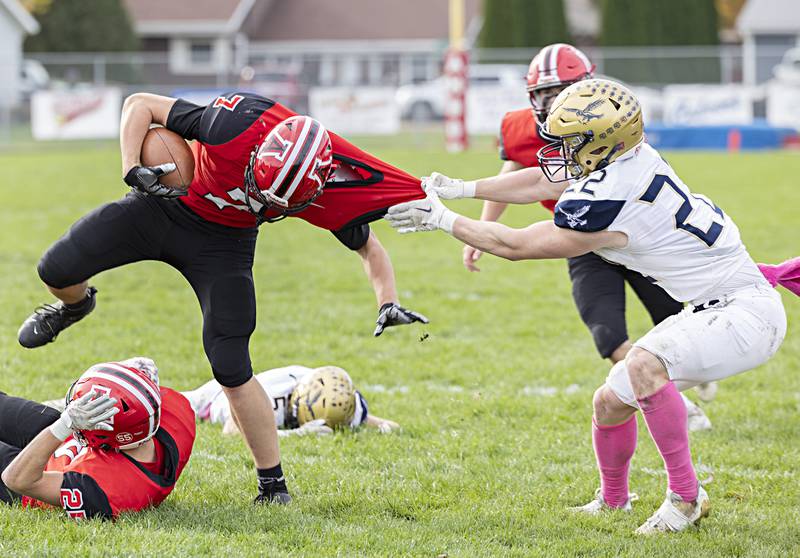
x=660, y=23
x=81, y=26
x=523, y=23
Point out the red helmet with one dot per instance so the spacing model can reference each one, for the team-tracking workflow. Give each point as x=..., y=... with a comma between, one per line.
x=138, y=400
x=288, y=170
x=551, y=70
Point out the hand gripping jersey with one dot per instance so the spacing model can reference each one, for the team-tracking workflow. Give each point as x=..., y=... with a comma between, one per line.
x=520, y=142
x=210, y=403
x=680, y=240
x=233, y=125
x=104, y=483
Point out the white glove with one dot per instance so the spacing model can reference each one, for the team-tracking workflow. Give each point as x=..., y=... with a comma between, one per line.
x=427, y=214
x=90, y=412
x=448, y=188
x=317, y=427
x=144, y=364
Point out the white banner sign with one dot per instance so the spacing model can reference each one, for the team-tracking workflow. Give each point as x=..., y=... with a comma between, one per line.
x=487, y=104
x=79, y=114
x=703, y=105
x=346, y=110
x=783, y=108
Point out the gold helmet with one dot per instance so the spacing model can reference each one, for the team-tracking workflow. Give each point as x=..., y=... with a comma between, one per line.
x=590, y=124
x=327, y=393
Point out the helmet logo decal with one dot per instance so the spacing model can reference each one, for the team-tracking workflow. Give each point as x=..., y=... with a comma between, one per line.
x=585, y=113
x=277, y=148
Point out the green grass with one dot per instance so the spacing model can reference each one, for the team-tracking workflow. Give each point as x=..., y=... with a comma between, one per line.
x=489, y=457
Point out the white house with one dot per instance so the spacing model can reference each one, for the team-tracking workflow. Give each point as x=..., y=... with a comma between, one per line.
x=15, y=24
x=769, y=28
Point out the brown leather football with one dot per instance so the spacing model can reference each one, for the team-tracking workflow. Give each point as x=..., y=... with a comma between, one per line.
x=165, y=146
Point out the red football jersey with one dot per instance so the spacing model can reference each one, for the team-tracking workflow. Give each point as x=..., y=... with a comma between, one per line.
x=103, y=483
x=520, y=142
x=233, y=125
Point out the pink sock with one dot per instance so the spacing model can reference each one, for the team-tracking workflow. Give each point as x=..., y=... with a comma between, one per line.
x=665, y=415
x=786, y=274
x=614, y=447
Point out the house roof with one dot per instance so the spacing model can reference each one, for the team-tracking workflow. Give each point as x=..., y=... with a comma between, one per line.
x=21, y=16
x=326, y=20
x=186, y=17
x=769, y=17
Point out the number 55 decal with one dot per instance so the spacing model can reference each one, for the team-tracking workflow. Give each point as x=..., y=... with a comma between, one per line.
x=710, y=236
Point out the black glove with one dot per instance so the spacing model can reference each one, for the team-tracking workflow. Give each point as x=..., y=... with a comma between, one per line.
x=145, y=179
x=392, y=314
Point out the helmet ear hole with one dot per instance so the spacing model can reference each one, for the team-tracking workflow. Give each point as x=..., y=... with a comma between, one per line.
x=124, y=406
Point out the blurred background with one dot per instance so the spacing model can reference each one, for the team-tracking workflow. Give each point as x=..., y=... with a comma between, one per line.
x=720, y=74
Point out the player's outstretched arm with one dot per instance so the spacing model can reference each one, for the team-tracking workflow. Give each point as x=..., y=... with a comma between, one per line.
x=378, y=267
x=523, y=186
x=541, y=240
x=385, y=426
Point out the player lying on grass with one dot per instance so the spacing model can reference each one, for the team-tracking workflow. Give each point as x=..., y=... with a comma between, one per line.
x=625, y=203
x=305, y=400
x=598, y=286
x=255, y=161
x=119, y=445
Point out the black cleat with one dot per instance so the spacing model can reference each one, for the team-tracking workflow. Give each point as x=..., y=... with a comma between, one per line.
x=281, y=498
x=47, y=321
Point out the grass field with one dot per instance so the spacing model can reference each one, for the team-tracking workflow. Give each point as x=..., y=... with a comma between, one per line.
x=494, y=404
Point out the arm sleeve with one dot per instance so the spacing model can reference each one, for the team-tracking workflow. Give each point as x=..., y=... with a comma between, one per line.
x=82, y=498
x=587, y=215
x=353, y=237
x=361, y=413
x=184, y=119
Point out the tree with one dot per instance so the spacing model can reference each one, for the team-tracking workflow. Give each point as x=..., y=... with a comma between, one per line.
x=660, y=23
x=523, y=23
x=81, y=26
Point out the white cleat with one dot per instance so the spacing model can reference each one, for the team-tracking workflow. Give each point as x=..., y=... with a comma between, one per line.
x=697, y=419
x=675, y=515
x=598, y=505
x=707, y=391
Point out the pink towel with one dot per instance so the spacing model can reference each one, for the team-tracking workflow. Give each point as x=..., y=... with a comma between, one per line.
x=786, y=274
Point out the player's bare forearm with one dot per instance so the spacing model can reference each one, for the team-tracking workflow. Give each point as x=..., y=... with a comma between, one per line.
x=492, y=210
x=139, y=111
x=382, y=424
x=379, y=270
x=26, y=474
x=542, y=240
x=527, y=185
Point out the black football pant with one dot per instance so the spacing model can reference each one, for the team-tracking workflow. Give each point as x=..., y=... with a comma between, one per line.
x=598, y=288
x=216, y=260
x=20, y=421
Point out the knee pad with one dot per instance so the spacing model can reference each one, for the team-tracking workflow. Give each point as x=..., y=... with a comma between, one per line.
x=229, y=319
x=607, y=339
x=51, y=273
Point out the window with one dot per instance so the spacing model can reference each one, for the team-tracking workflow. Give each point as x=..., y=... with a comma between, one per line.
x=200, y=53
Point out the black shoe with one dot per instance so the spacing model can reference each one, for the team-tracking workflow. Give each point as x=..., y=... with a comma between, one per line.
x=47, y=321
x=281, y=498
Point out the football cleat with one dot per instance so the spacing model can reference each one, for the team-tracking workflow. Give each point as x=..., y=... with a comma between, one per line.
x=281, y=498
x=707, y=391
x=675, y=515
x=696, y=417
x=598, y=505
x=47, y=321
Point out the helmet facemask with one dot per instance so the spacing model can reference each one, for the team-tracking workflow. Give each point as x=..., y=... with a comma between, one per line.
x=558, y=159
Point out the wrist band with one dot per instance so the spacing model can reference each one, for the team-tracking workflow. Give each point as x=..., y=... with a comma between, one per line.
x=60, y=430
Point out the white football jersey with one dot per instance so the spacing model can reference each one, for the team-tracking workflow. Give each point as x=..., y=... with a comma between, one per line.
x=209, y=401
x=680, y=240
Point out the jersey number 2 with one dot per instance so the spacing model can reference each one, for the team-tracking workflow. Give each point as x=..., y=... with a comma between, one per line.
x=710, y=236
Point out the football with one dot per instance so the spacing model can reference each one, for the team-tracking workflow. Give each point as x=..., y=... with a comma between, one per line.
x=165, y=146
